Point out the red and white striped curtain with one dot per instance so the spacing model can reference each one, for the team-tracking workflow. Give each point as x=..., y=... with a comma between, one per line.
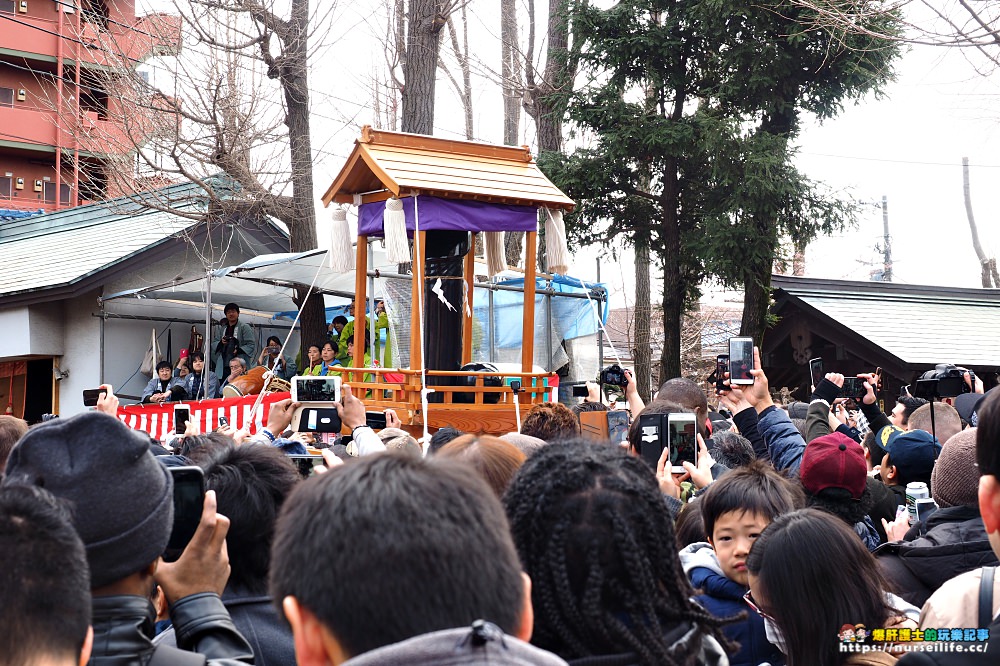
x=158, y=420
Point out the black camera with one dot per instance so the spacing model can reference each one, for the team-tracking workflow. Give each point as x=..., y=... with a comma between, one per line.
x=614, y=375
x=944, y=381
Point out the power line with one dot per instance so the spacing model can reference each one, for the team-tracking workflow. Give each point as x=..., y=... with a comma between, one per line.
x=892, y=161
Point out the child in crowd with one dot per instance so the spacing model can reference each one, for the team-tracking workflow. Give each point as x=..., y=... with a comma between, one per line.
x=735, y=510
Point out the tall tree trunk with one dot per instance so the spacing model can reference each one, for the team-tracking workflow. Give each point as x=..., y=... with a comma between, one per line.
x=420, y=69
x=673, y=286
x=510, y=71
x=643, y=313
x=984, y=262
x=295, y=84
x=756, y=301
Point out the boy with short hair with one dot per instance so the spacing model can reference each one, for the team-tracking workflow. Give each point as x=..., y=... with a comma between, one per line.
x=736, y=509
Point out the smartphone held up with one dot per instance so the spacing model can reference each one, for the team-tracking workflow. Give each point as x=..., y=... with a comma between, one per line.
x=740, y=361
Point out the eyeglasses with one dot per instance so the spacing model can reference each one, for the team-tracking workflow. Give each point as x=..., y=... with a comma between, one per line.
x=748, y=597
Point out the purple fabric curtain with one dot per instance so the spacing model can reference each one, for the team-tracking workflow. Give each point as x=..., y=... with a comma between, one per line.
x=438, y=214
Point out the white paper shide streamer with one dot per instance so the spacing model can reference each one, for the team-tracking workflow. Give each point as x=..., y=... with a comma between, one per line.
x=496, y=258
x=341, y=252
x=557, y=253
x=394, y=226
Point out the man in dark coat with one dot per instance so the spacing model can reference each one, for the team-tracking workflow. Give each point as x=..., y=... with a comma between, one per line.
x=953, y=539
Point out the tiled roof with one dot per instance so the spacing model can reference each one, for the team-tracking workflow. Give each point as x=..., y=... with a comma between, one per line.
x=913, y=323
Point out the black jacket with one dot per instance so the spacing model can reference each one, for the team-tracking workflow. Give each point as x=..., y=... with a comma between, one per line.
x=257, y=619
x=709, y=654
x=954, y=542
x=123, y=631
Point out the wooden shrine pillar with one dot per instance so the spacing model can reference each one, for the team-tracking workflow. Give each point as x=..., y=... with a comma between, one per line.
x=528, y=328
x=417, y=302
x=360, y=299
x=469, y=275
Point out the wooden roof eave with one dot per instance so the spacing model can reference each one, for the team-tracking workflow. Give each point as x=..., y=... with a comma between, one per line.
x=373, y=197
x=360, y=153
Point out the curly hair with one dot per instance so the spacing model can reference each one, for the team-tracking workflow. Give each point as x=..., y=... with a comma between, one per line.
x=596, y=538
x=550, y=421
x=840, y=503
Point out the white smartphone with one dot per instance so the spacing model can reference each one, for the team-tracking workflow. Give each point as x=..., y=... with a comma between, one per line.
x=182, y=414
x=682, y=438
x=315, y=389
x=740, y=360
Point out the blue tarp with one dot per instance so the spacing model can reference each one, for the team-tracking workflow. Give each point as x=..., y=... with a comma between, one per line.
x=8, y=214
x=571, y=317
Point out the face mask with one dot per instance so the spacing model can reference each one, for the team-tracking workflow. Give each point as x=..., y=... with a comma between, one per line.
x=774, y=635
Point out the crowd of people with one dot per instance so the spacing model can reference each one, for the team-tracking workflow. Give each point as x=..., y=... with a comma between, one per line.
x=792, y=538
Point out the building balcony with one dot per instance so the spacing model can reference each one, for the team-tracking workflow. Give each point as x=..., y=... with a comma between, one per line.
x=33, y=129
x=153, y=35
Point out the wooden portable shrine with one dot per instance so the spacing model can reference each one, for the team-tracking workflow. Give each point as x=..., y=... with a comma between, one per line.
x=450, y=191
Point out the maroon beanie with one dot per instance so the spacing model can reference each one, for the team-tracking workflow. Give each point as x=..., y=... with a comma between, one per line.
x=834, y=461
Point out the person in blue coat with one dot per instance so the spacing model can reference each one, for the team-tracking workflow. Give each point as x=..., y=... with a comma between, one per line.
x=736, y=509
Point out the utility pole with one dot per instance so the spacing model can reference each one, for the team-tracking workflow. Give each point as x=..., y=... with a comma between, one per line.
x=886, y=242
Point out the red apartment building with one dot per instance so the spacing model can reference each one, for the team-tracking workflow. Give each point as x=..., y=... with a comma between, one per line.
x=66, y=122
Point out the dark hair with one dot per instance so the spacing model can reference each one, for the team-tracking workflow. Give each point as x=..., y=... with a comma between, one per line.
x=839, y=502
x=811, y=550
x=551, y=421
x=11, y=430
x=44, y=578
x=197, y=355
x=199, y=447
x=597, y=540
x=589, y=407
x=164, y=364
x=988, y=434
x=655, y=407
x=393, y=547
x=690, y=524
x=251, y=483
x=350, y=339
x=910, y=405
x=732, y=450
x=442, y=437
x=231, y=306
x=332, y=346
x=277, y=341
x=495, y=460
x=756, y=489
x=689, y=395
x=340, y=319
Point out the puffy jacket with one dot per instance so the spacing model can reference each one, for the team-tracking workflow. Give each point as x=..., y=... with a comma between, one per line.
x=123, y=631
x=486, y=644
x=784, y=443
x=723, y=597
x=956, y=603
x=955, y=542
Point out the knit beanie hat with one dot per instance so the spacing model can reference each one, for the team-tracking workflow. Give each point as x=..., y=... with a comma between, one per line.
x=955, y=479
x=834, y=461
x=122, y=497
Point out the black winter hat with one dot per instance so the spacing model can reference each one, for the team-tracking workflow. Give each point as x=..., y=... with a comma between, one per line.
x=122, y=496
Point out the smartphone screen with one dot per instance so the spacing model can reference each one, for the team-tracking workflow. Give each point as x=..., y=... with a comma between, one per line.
x=683, y=440
x=816, y=374
x=854, y=387
x=375, y=420
x=189, y=499
x=90, y=396
x=721, y=368
x=182, y=414
x=878, y=379
x=306, y=464
x=316, y=389
x=580, y=391
x=618, y=426
x=740, y=360
x=652, y=437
